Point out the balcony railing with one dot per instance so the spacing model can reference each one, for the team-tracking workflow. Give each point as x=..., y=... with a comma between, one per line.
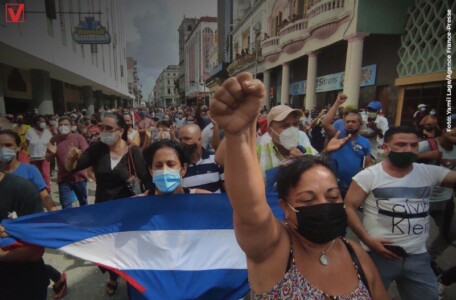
x=271, y=46
x=294, y=32
x=325, y=6
x=326, y=11
x=243, y=62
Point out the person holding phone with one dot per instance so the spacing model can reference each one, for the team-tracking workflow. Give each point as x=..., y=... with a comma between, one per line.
x=395, y=194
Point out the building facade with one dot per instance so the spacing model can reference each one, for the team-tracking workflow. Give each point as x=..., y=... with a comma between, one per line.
x=314, y=50
x=185, y=29
x=425, y=68
x=197, y=59
x=247, y=34
x=165, y=90
x=134, y=86
x=47, y=64
x=223, y=49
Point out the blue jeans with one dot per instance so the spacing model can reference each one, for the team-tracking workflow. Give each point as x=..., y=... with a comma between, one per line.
x=66, y=196
x=413, y=275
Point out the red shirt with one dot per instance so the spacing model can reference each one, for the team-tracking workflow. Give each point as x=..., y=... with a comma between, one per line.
x=64, y=144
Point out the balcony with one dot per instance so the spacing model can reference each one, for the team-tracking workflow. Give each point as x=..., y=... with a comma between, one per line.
x=242, y=63
x=293, y=35
x=325, y=16
x=271, y=48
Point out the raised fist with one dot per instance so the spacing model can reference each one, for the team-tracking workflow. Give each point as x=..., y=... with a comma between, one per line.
x=237, y=103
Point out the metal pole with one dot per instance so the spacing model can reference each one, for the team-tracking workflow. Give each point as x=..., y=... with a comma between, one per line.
x=256, y=61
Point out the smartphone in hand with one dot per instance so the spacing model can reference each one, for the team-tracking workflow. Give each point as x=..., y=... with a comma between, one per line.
x=398, y=250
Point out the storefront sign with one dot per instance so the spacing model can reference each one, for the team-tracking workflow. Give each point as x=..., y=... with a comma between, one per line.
x=90, y=31
x=334, y=82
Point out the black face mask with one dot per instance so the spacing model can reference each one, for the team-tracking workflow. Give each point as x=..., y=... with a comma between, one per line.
x=94, y=122
x=321, y=223
x=428, y=127
x=189, y=150
x=402, y=159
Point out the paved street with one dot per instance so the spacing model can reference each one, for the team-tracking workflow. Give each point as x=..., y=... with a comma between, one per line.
x=86, y=282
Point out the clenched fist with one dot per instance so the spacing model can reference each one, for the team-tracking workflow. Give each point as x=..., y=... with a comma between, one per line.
x=237, y=103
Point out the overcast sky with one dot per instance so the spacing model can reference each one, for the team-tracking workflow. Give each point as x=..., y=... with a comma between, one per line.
x=152, y=37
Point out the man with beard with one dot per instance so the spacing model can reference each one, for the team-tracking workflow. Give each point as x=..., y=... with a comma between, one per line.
x=202, y=172
x=395, y=195
x=355, y=154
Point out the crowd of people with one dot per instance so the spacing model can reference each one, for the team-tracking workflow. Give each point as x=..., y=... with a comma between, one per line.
x=327, y=166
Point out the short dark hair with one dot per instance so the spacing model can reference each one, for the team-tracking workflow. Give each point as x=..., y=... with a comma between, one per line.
x=164, y=123
x=398, y=129
x=354, y=112
x=150, y=151
x=289, y=174
x=12, y=134
x=63, y=118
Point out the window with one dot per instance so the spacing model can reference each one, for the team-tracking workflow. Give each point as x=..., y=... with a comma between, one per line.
x=62, y=23
x=50, y=9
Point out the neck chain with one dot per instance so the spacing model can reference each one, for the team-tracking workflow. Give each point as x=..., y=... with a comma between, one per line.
x=324, y=260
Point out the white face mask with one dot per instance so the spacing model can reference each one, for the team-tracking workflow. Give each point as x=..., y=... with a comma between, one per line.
x=42, y=125
x=74, y=128
x=108, y=138
x=53, y=123
x=288, y=137
x=64, y=129
x=432, y=113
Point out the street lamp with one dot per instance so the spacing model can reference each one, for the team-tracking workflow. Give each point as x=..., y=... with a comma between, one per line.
x=256, y=29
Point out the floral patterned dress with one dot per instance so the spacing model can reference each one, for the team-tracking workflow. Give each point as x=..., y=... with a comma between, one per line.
x=294, y=286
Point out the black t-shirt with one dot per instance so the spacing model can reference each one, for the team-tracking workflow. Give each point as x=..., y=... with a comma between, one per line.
x=111, y=183
x=22, y=280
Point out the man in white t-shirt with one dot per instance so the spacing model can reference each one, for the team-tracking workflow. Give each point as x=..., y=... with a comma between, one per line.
x=395, y=195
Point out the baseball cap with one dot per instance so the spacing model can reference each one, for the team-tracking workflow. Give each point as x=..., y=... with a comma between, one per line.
x=281, y=112
x=376, y=105
x=350, y=107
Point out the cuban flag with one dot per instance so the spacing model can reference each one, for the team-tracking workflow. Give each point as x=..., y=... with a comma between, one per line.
x=166, y=247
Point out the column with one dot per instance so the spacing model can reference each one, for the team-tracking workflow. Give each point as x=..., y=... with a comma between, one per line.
x=267, y=87
x=41, y=91
x=285, y=90
x=352, y=81
x=311, y=88
x=2, y=101
x=98, y=100
x=87, y=97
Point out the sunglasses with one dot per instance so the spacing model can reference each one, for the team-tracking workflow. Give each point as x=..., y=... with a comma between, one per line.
x=105, y=128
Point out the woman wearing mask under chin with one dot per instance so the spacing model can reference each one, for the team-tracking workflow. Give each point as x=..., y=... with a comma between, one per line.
x=305, y=257
x=37, y=139
x=109, y=159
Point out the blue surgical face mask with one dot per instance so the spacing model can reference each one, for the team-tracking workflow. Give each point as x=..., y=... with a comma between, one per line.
x=167, y=180
x=7, y=154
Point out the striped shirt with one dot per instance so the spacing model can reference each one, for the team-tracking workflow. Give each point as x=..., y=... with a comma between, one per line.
x=206, y=174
